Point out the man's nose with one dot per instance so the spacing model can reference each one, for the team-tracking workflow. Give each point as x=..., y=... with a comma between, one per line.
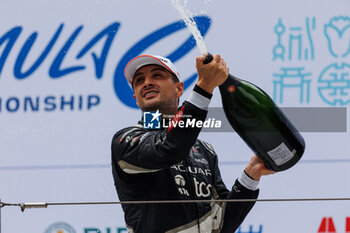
x=148, y=81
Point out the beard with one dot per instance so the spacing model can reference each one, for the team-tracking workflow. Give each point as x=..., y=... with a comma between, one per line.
x=165, y=107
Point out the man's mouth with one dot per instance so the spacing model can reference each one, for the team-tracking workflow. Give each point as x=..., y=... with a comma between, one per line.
x=150, y=94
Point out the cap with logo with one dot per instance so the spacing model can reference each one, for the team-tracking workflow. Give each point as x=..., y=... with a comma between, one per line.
x=143, y=60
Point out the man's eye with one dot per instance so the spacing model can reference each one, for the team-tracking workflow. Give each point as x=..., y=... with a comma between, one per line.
x=138, y=80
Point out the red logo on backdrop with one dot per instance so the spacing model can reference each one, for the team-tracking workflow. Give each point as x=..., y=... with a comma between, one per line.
x=327, y=225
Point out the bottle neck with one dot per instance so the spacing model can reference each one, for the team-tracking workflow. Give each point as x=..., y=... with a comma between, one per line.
x=230, y=85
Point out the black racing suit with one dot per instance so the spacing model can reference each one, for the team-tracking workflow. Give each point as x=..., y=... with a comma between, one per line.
x=172, y=164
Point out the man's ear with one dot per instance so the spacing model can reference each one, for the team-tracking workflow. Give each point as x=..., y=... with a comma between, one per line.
x=133, y=95
x=179, y=89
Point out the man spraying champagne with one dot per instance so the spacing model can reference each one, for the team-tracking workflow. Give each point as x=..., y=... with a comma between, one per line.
x=172, y=163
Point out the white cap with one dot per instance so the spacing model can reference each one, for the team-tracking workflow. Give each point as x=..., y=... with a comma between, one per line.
x=143, y=60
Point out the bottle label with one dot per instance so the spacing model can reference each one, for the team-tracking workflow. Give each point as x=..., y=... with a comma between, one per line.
x=281, y=154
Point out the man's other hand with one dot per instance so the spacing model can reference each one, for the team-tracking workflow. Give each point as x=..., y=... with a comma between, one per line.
x=256, y=168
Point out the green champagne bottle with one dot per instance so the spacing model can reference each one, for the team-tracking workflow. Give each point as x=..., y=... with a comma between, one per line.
x=261, y=124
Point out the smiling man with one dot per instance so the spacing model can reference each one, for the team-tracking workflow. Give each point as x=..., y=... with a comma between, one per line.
x=155, y=88
x=171, y=163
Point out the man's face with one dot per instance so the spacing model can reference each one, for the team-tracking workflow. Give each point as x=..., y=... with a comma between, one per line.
x=155, y=89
